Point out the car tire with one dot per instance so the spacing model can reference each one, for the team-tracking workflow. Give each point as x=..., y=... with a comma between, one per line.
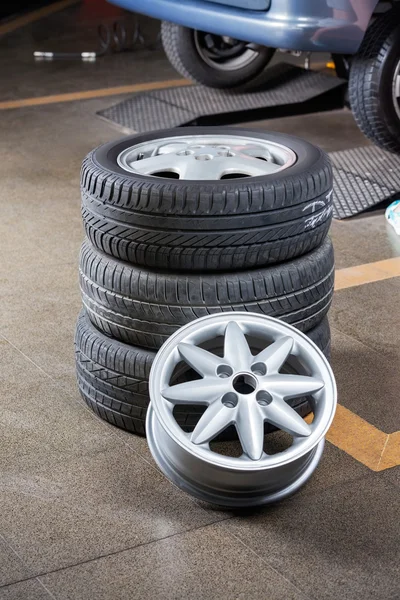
x=145, y=307
x=199, y=225
x=374, y=83
x=189, y=56
x=113, y=378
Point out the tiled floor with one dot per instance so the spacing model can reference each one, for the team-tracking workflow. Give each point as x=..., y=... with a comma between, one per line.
x=84, y=511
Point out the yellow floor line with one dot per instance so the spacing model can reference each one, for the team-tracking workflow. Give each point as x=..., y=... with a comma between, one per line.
x=364, y=442
x=368, y=273
x=349, y=432
x=100, y=93
x=35, y=15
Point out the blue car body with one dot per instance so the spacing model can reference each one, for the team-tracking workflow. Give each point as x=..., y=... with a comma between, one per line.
x=335, y=26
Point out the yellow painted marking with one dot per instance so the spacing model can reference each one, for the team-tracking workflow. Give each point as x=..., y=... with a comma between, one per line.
x=391, y=455
x=364, y=442
x=368, y=273
x=100, y=93
x=349, y=432
x=35, y=15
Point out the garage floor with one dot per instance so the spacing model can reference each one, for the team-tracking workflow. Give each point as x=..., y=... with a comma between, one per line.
x=84, y=511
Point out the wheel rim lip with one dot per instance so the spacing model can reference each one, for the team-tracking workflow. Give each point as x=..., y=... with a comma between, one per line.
x=233, y=64
x=280, y=152
x=212, y=458
x=395, y=86
x=224, y=498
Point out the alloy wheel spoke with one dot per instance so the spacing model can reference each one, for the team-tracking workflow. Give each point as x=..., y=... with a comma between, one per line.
x=216, y=418
x=283, y=416
x=293, y=386
x=250, y=428
x=197, y=168
x=249, y=165
x=275, y=355
x=154, y=164
x=397, y=87
x=202, y=361
x=236, y=349
x=201, y=391
x=257, y=152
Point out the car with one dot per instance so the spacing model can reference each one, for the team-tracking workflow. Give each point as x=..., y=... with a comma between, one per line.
x=228, y=43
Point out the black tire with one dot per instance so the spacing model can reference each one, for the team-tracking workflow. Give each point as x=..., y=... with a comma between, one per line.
x=371, y=79
x=145, y=307
x=113, y=378
x=180, y=46
x=206, y=225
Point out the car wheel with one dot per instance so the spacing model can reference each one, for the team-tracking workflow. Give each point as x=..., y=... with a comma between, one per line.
x=374, y=84
x=213, y=60
x=205, y=198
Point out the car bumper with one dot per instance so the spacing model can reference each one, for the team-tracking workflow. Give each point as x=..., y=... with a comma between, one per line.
x=308, y=25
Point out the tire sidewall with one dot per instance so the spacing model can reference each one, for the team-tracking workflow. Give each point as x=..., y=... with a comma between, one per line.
x=384, y=80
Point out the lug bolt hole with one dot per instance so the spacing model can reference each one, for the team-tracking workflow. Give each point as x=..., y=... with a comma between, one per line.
x=203, y=157
x=259, y=369
x=229, y=400
x=263, y=398
x=224, y=371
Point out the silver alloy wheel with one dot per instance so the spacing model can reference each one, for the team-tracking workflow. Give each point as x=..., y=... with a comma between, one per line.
x=396, y=90
x=243, y=390
x=208, y=157
x=237, y=55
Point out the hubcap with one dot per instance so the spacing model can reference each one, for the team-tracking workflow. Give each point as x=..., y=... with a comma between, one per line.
x=223, y=52
x=396, y=90
x=207, y=157
x=243, y=390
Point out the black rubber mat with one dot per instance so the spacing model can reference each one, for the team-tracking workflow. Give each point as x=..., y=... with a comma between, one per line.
x=363, y=178
x=287, y=86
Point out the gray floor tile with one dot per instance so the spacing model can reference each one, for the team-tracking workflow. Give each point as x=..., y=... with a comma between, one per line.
x=38, y=242
x=364, y=377
x=392, y=475
x=206, y=563
x=12, y=568
x=44, y=215
x=370, y=314
x=40, y=313
x=38, y=416
x=137, y=443
x=74, y=30
x=364, y=239
x=78, y=130
x=336, y=468
x=59, y=511
x=342, y=543
x=25, y=590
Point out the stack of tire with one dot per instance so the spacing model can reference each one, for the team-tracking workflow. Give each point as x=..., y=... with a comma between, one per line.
x=161, y=252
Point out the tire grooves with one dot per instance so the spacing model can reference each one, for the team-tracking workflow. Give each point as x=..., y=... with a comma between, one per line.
x=123, y=401
x=299, y=292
